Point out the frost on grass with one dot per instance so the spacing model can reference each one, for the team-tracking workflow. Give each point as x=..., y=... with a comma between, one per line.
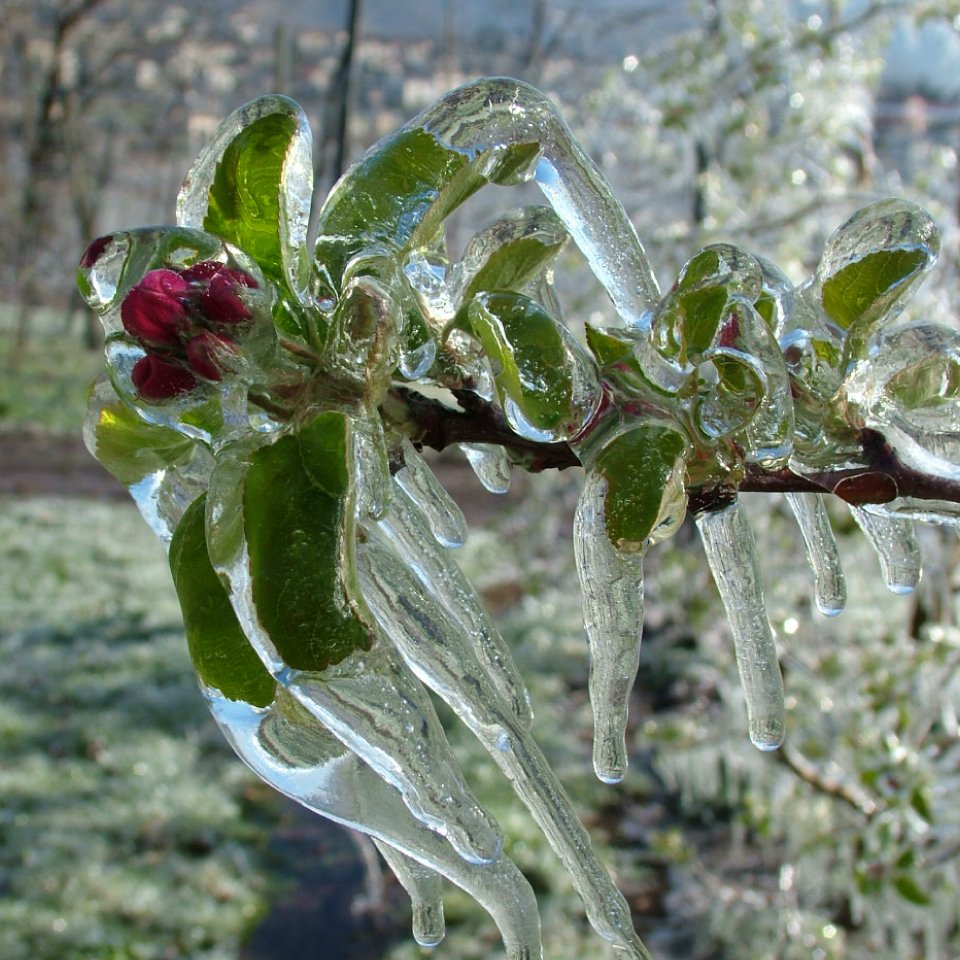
x=125, y=819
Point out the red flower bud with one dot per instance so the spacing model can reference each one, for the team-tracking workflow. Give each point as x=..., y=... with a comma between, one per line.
x=222, y=303
x=206, y=353
x=153, y=312
x=156, y=378
x=92, y=254
x=202, y=272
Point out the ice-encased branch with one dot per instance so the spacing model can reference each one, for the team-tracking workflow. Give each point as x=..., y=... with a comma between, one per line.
x=880, y=477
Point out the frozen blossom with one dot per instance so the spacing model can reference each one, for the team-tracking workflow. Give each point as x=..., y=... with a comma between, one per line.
x=257, y=408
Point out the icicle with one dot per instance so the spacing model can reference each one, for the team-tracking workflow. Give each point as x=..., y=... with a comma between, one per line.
x=300, y=759
x=446, y=520
x=442, y=656
x=424, y=887
x=895, y=543
x=378, y=709
x=611, y=584
x=440, y=576
x=822, y=555
x=490, y=463
x=732, y=555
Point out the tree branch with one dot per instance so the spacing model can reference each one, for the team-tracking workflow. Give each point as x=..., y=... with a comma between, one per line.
x=881, y=478
x=832, y=786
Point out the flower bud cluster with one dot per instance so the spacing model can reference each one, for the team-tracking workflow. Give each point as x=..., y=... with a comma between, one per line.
x=186, y=321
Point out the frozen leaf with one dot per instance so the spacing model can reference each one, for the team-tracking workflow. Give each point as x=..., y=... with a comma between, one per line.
x=644, y=499
x=909, y=390
x=547, y=386
x=221, y=653
x=126, y=444
x=252, y=186
x=510, y=253
x=872, y=263
x=298, y=521
x=688, y=319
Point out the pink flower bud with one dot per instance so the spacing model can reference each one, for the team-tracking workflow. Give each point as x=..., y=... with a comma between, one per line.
x=156, y=378
x=92, y=254
x=222, y=303
x=208, y=354
x=202, y=272
x=153, y=312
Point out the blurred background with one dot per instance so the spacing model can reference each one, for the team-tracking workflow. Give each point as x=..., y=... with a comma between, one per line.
x=128, y=830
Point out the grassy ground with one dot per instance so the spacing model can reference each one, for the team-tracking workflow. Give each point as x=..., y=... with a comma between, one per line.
x=126, y=823
x=46, y=387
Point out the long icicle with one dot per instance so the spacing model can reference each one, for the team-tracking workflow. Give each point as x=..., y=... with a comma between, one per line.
x=337, y=784
x=732, y=555
x=441, y=654
x=611, y=586
x=439, y=574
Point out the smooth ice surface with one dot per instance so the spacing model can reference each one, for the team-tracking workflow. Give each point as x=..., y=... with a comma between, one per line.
x=895, y=542
x=441, y=655
x=907, y=389
x=439, y=576
x=295, y=755
x=490, y=463
x=445, y=519
x=732, y=554
x=611, y=586
x=424, y=886
x=821, y=548
x=375, y=706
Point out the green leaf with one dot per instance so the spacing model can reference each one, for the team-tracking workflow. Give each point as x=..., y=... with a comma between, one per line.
x=245, y=193
x=397, y=196
x=606, y=347
x=910, y=890
x=383, y=199
x=252, y=187
x=221, y=654
x=931, y=381
x=512, y=252
x=644, y=473
x=920, y=801
x=126, y=445
x=529, y=354
x=866, y=289
x=298, y=501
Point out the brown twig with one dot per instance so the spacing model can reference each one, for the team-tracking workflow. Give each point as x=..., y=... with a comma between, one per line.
x=837, y=787
x=882, y=476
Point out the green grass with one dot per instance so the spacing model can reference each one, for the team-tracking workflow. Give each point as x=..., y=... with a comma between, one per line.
x=47, y=388
x=126, y=826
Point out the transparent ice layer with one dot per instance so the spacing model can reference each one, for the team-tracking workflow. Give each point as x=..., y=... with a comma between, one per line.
x=732, y=554
x=611, y=586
